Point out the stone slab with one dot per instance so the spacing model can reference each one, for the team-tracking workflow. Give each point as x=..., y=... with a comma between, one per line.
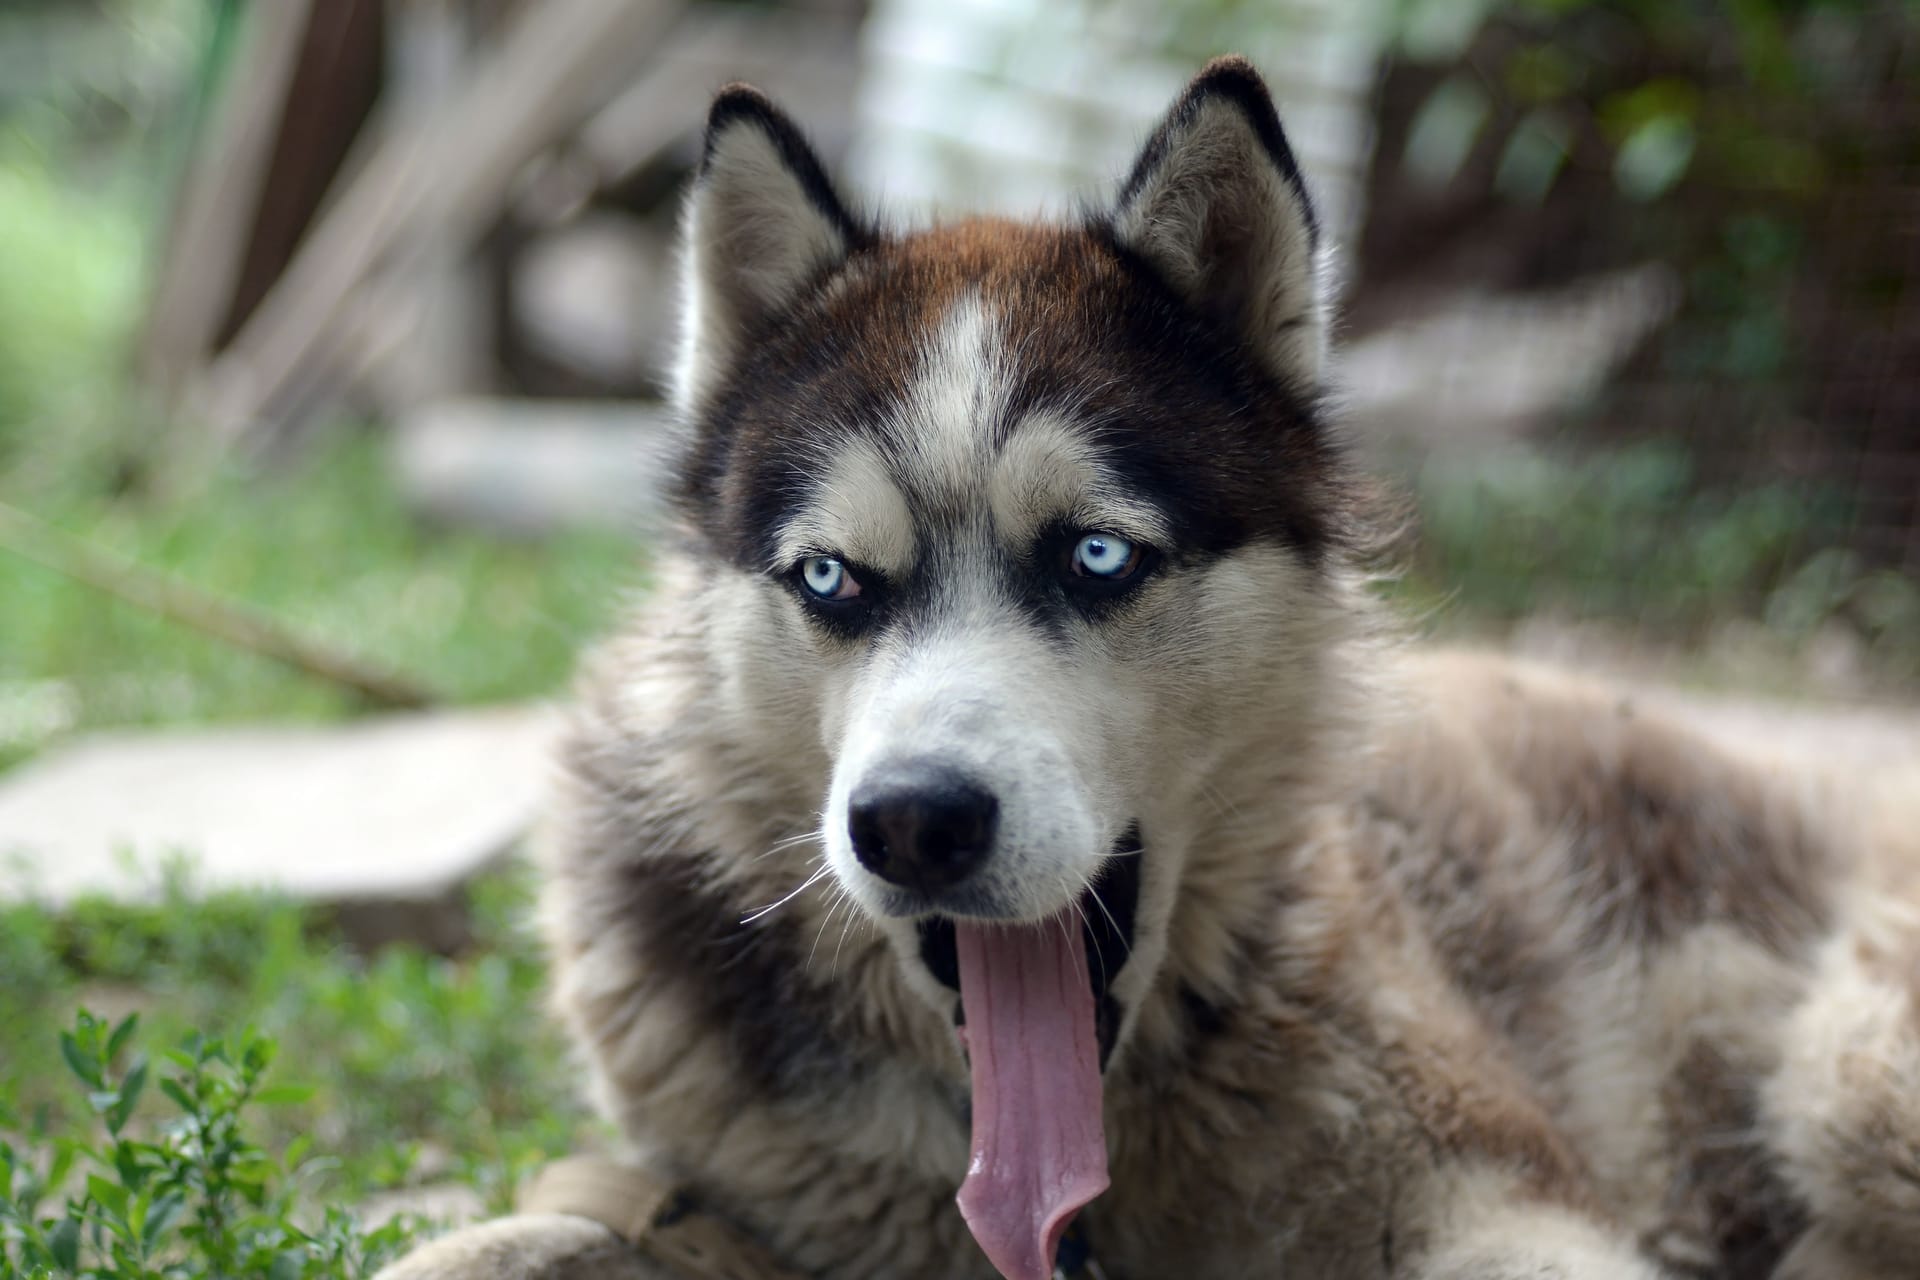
x=529, y=468
x=392, y=809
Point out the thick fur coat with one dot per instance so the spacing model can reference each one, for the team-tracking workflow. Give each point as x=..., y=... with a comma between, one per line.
x=1433, y=966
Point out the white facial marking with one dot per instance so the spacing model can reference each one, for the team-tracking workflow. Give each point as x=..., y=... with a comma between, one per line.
x=1080, y=730
x=944, y=428
x=1048, y=472
x=972, y=684
x=857, y=513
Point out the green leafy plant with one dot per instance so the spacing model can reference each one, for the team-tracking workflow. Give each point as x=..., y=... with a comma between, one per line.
x=191, y=1195
x=424, y=1067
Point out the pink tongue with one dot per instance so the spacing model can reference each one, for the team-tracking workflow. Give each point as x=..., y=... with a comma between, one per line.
x=1039, y=1152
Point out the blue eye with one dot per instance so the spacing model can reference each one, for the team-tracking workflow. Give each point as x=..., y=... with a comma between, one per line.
x=827, y=578
x=1106, y=555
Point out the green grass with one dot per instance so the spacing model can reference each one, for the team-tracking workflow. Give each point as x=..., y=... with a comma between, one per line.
x=70, y=280
x=327, y=547
x=394, y=1068
x=391, y=1068
x=1633, y=539
x=324, y=544
x=276, y=1075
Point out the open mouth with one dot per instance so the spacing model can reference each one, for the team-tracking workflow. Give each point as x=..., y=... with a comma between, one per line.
x=1107, y=910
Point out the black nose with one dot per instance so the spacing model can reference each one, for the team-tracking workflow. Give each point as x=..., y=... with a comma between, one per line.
x=922, y=826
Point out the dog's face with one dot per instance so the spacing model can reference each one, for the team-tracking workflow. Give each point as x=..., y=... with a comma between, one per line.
x=1023, y=525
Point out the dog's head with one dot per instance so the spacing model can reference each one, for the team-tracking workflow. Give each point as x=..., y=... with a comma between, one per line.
x=1029, y=526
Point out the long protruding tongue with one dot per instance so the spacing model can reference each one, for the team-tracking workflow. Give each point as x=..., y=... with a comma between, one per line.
x=1039, y=1152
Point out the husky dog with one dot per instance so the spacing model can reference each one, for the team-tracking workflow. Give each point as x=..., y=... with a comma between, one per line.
x=1007, y=790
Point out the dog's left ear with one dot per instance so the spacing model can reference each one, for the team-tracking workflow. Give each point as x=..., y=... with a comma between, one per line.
x=762, y=223
x=1216, y=204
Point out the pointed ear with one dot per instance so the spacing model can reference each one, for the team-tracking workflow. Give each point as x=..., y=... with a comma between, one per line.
x=762, y=222
x=1216, y=204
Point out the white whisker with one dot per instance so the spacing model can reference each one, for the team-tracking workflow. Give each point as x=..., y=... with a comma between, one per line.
x=817, y=833
x=1088, y=926
x=1061, y=920
x=840, y=896
x=846, y=927
x=806, y=884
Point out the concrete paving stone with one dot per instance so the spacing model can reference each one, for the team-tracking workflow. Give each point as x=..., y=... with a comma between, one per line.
x=389, y=816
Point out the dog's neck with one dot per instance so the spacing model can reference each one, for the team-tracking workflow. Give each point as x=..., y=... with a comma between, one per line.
x=1254, y=833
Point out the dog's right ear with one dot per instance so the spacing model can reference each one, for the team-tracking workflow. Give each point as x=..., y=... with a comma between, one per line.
x=1216, y=204
x=762, y=222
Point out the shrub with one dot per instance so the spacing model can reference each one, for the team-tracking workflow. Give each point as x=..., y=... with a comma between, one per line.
x=188, y=1196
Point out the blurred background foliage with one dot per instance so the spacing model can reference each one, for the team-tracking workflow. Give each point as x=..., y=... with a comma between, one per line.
x=97, y=101
x=1757, y=457
x=93, y=100
x=1771, y=149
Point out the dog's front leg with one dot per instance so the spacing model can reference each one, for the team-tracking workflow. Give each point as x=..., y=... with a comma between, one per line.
x=1519, y=1240
x=527, y=1246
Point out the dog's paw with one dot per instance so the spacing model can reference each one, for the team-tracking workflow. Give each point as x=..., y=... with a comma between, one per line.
x=526, y=1246
x=1819, y=1255
x=1541, y=1246
x=1493, y=1267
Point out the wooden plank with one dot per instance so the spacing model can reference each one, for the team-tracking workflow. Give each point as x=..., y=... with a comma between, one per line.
x=329, y=98
x=442, y=175
x=808, y=65
x=393, y=346
x=219, y=198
